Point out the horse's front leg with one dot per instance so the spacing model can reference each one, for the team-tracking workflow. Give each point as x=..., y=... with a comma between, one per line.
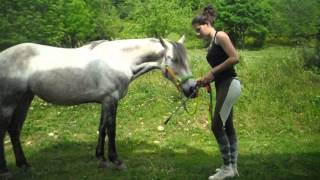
x=108, y=126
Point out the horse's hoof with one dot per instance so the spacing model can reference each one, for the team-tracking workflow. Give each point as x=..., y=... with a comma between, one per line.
x=111, y=165
x=118, y=165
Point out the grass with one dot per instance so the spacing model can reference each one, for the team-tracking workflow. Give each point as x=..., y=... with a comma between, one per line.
x=276, y=117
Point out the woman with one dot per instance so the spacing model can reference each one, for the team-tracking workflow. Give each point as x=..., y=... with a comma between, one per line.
x=222, y=57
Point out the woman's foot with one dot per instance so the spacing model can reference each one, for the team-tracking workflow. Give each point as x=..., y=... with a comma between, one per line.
x=235, y=169
x=224, y=172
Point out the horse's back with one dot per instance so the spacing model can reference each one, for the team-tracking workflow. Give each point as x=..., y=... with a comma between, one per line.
x=26, y=58
x=18, y=63
x=16, y=58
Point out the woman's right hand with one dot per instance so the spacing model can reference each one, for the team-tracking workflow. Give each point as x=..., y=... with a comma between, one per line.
x=205, y=80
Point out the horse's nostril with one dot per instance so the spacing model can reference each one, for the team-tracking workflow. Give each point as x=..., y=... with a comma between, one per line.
x=193, y=89
x=193, y=92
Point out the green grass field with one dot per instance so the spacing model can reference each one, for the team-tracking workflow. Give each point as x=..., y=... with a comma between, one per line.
x=277, y=121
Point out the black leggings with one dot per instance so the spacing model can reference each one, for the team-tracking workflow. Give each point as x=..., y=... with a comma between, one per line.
x=225, y=135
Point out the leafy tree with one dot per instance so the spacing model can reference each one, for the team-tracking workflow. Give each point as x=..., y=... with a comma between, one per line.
x=78, y=22
x=311, y=55
x=198, y=5
x=295, y=20
x=160, y=18
x=125, y=7
x=241, y=18
x=33, y=21
x=105, y=17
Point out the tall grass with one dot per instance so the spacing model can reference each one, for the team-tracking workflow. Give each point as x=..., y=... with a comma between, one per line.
x=276, y=117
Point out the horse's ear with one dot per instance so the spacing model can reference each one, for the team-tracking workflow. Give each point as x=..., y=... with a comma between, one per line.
x=182, y=39
x=163, y=43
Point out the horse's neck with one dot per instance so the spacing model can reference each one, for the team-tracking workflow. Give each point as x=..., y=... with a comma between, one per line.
x=140, y=55
x=146, y=58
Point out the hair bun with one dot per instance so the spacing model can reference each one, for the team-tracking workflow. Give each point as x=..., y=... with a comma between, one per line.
x=208, y=8
x=209, y=13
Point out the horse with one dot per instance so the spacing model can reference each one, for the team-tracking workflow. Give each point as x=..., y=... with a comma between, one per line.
x=99, y=72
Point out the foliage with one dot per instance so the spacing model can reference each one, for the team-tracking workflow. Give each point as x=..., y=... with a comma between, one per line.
x=71, y=23
x=256, y=37
x=160, y=18
x=38, y=21
x=245, y=18
x=105, y=17
x=62, y=23
x=77, y=22
x=294, y=21
x=311, y=56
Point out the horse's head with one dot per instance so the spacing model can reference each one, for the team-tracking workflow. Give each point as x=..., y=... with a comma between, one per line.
x=175, y=67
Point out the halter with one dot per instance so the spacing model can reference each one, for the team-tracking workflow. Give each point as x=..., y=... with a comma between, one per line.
x=178, y=81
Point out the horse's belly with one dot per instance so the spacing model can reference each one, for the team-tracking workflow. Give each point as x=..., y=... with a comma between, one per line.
x=67, y=98
x=67, y=87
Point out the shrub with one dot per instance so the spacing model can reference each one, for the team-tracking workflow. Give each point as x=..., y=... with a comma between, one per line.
x=311, y=57
x=256, y=37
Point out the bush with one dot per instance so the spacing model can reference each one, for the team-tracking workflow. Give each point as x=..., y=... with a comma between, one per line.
x=256, y=38
x=311, y=58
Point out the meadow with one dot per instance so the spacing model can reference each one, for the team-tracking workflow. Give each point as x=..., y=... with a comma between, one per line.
x=277, y=121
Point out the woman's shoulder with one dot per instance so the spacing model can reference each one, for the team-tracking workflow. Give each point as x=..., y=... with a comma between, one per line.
x=221, y=36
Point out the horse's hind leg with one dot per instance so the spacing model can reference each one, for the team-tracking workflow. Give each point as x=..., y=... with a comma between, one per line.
x=5, y=118
x=15, y=127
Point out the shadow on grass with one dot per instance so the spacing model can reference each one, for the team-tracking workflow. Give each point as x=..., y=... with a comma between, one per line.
x=72, y=160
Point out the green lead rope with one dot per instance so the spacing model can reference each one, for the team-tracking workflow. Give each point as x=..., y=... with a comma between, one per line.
x=209, y=91
x=188, y=111
x=183, y=104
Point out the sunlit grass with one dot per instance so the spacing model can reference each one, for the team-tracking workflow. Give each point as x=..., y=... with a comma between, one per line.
x=276, y=117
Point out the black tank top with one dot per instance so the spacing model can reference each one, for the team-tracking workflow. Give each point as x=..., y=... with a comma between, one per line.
x=216, y=55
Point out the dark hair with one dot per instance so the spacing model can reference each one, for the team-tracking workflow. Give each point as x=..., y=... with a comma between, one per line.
x=208, y=15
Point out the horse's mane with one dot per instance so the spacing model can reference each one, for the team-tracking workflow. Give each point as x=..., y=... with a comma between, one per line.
x=180, y=53
x=94, y=44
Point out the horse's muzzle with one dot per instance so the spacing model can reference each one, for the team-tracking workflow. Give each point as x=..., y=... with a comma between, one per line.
x=190, y=89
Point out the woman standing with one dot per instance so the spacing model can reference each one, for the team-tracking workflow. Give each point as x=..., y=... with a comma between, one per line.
x=222, y=57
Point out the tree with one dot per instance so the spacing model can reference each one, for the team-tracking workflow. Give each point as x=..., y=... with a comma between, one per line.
x=160, y=18
x=105, y=17
x=36, y=21
x=241, y=18
x=78, y=22
x=295, y=20
x=51, y=22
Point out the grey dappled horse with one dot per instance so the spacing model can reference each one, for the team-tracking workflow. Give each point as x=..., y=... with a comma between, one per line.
x=99, y=72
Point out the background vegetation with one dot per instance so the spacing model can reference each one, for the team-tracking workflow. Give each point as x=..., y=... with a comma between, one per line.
x=277, y=116
x=73, y=22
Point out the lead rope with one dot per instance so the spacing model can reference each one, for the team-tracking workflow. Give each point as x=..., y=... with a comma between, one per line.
x=183, y=104
x=177, y=82
x=209, y=91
